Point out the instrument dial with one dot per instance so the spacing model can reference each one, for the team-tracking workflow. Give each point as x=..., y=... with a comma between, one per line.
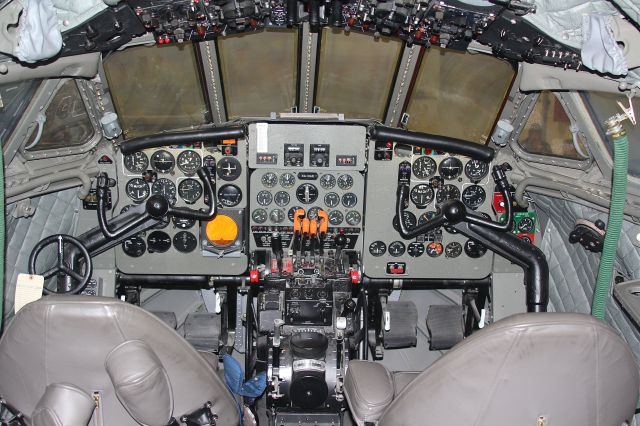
x=158, y=242
x=335, y=217
x=287, y=180
x=473, y=196
x=415, y=249
x=396, y=248
x=447, y=192
x=277, y=215
x=166, y=188
x=450, y=168
x=137, y=189
x=476, y=170
x=264, y=198
x=189, y=162
x=453, y=250
x=434, y=249
x=426, y=216
x=377, y=248
x=331, y=199
x=353, y=218
x=228, y=168
x=408, y=218
x=349, y=200
x=422, y=195
x=259, y=216
x=526, y=225
x=136, y=162
x=269, y=180
x=190, y=190
x=327, y=181
x=162, y=161
x=182, y=223
x=424, y=167
x=185, y=242
x=312, y=214
x=307, y=193
x=229, y=195
x=134, y=246
x=281, y=198
x=345, y=182
x=292, y=212
x=126, y=208
x=474, y=249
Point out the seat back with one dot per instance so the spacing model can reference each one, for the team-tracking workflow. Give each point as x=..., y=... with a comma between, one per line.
x=529, y=369
x=67, y=339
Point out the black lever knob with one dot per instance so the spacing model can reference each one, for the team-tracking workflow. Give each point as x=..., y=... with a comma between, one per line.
x=349, y=307
x=157, y=206
x=276, y=245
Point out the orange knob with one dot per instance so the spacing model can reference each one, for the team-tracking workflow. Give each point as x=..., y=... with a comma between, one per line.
x=305, y=226
x=313, y=228
x=324, y=222
x=297, y=221
x=222, y=230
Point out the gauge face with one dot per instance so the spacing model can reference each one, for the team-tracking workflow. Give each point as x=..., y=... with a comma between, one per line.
x=345, y=182
x=476, y=170
x=434, y=249
x=307, y=193
x=377, y=248
x=473, y=196
x=474, y=249
x=269, y=180
x=335, y=217
x=453, y=250
x=190, y=190
x=229, y=195
x=349, y=200
x=424, y=167
x=137, y=189
x=415, y=249
x=185, y=242
x=331, y=199
x=136, y=162
x=182, y=223
x=396, y=248
x=327, y=181
x=287, y=180
x=162, y=161
x=353, y=218
x=126, y=208
x=277, y=215
x=292, y=212
x=426, y=216
x=166, y=188
x=409, y=220
x=189, y=162
x=281, y=198
x=312, y=214
x=259, y=216
x=447, y=192
x=421, y=195
x=134, y=246
x=158, y=242
x=228, y=168
x=264, y=198
x=450, y=168
x=526, y=225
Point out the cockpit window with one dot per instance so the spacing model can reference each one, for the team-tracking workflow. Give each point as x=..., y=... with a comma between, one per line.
x=603, y=106
x=14, y=99
x=156, y=88
x=259, y=72
x=355, y=74
x=458, y=94
x=67, y=121
x=548, y=131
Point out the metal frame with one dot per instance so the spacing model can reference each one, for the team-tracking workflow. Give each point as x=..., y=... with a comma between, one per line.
x=308, y=65
x=211, y=70
x=404, y=77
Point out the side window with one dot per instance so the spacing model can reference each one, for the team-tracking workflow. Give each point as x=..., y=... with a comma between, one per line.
x=67, y=121
x=548, y=131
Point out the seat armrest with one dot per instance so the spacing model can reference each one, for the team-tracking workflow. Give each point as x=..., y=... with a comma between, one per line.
x=369, y=389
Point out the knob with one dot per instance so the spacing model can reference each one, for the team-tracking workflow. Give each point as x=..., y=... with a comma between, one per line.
x=319, y=160
x=341, y=241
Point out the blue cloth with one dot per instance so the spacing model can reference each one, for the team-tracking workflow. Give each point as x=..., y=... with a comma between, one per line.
x=233, y=377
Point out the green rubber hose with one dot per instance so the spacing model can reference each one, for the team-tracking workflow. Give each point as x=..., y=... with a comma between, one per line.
x=614, y=224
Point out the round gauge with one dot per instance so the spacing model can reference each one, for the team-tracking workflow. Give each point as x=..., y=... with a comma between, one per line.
x=327, y=181
x=345, y=182
x=190, y=190
x=166, y=188
x=158, y=242
x=307, y=193
x=126, y=208
x=426, y=216
x=415, y=249
x=424, y=167
x=292, y=211
x=228, y=168
x=422, y=195
x=450, y=168
x=353, y=218
x=349, y=200
x=409, y=220
x=137, y=189
x=436, y=182
x=331, y=199
x=434, y=249
x=229, y=195
x=335, y=217
x=476, y=170
x=447, y=192
x=162, y=161
x=453, y=250
x=377, y=248
x=264, y=198
x=312, y=214
x=277, y=215
x=259, y=216
x=287, y=180
x=182, y=223
x=136, y=162
x=189, y=162
x=474, y=249
x=473, y=196
x=396, y=248
x=134, y=246
x=162, y=223
x=185, y=242
x=269, y=180
x=282, y=198
x=526, y=225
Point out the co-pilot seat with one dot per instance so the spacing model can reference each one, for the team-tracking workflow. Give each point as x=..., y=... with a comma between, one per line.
x=60, y=352
x=542, y=369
